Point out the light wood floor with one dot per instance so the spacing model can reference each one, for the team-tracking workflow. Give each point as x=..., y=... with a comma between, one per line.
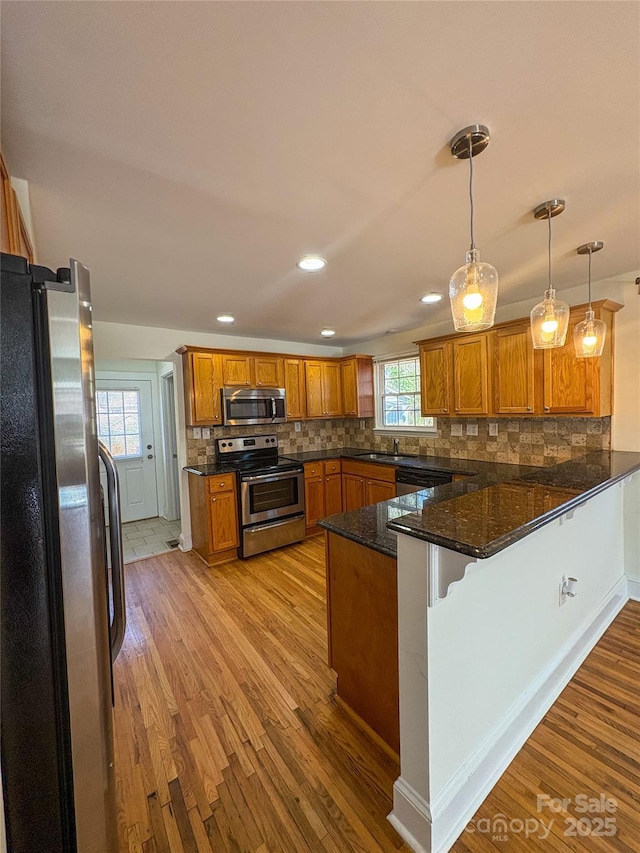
x=228, y=739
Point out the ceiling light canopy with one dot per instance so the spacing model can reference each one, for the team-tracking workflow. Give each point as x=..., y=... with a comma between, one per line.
x=588, y=336
x=431, y=298
x=328, y=333
x=225, y=318
x=473, y=289
x=311, y=263
x=549, y=318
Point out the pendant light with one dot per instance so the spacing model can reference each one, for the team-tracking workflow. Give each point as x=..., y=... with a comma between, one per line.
x=473, y=289
x=549, y=318
x=588, y=336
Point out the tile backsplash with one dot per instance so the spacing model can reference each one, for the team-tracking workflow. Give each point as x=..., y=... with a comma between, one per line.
x=527, y=441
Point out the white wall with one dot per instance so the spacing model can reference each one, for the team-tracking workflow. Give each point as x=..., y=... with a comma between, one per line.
x=117, y=340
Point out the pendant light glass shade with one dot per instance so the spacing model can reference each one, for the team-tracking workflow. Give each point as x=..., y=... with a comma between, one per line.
x=473, y=291
x=549, y=318
x=590, y=334
x=473, y=288
x=549, y=322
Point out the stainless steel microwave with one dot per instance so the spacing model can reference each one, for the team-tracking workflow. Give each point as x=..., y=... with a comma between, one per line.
x=247, y=406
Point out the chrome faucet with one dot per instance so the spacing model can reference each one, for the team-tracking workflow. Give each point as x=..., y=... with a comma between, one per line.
x=396, y=446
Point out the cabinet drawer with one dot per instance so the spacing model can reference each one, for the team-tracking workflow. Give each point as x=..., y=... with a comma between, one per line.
x=333, y=466
x=221, y=483
x=369, y=470
x=312, y=469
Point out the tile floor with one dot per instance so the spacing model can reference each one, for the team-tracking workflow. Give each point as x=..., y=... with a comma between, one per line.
x=148, y=537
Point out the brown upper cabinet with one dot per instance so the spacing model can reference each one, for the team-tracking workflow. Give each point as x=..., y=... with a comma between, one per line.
x=356, y=376
x=14, y=237
x=202, y=373
x=499, y=373
x=294, y=387
x=324, y=389
x=516, y=370
x=314, y=386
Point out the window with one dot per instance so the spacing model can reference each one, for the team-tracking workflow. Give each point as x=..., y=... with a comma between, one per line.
x=398, y=397
x=119, y=426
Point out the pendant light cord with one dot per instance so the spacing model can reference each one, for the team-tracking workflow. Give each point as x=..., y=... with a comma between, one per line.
x=473, y=242
x=590, y=253
x=549, y=249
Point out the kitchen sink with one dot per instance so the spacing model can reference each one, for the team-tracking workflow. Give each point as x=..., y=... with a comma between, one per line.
x=385, y=457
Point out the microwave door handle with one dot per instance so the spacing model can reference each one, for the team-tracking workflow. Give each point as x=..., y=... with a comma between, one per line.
x=118, y=627
x=273, y=409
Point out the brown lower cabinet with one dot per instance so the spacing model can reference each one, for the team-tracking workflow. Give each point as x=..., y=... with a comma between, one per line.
x=214, y=517
x=362, y=622
x=365, y=483
x=322, y=491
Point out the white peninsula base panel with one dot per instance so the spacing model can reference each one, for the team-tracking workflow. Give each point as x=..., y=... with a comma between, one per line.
x=479, y=669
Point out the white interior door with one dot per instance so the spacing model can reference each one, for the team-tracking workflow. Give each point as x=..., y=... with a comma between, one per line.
x=125, y=425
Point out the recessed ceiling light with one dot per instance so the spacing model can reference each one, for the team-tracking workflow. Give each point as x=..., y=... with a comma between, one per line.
x=311, y=263
x=328, y=333
x=430, y=298
x=225, y=318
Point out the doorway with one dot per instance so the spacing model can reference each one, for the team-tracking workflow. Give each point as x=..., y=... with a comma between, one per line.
x=170, y=447
x=125, y=426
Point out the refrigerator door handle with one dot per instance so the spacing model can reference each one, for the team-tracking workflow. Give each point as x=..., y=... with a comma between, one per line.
x=118, y=627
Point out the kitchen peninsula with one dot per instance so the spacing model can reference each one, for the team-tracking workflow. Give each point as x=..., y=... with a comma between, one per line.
x=487, y=635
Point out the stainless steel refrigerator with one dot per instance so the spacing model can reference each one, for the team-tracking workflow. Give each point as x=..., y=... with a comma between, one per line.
x=62, y=606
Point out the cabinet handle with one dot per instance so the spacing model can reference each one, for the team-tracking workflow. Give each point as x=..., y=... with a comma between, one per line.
x=213, y=500
x=221, y=485
x=457, y=410
x=546, y=408
x=528, y=408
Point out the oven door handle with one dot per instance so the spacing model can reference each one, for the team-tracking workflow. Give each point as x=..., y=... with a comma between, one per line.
x=264, y=478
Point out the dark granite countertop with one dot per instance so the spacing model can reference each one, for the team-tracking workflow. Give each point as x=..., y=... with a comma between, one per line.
x=484, y=514
x=210, y=470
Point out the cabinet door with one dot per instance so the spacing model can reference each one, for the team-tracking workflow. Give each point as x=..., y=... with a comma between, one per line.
x=313, y=500
x=224, y=521
x=353, y=492
x=377, y=490
x=435, y=378
x=470, y=376
x=349, y=379
x=294, y=388
x=269, y=372
x=331, y=388
x=313, y=377
x=236, y=370
x=205, y=391
x=514, y=377
x=333, y=494
x=9, y=234
x=25, y=247
x=569, y=381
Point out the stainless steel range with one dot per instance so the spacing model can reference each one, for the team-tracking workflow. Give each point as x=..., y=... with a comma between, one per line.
x=271, y=492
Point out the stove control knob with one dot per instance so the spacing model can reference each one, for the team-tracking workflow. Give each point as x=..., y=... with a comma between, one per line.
x=224, y=443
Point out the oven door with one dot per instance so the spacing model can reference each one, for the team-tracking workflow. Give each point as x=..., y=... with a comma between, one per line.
x=248, y=406
x=265, y=497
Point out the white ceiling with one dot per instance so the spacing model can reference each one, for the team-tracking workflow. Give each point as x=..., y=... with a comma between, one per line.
x=190, y=152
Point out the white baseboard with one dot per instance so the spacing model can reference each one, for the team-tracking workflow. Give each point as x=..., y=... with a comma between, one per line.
x=634, y=589
x=433, y=828
x=186, y=543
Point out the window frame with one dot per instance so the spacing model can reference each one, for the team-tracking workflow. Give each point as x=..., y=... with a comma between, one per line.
x=378, y=386
x=108, y=443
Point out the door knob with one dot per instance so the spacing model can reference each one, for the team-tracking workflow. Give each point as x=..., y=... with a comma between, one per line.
x=149, y=455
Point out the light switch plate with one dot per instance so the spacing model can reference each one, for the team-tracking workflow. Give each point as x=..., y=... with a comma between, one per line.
x=472, y=429
x=456, y=429
x=206, y=432
x=197, y=432
x=493, y=429
x=296, y=426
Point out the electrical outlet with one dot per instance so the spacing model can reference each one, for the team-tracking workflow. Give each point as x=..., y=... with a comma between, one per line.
x=493, y=429
x=206, y=432
x=297, y=426
x=472, y=429
x=361, y=424
x=197, y=432
x=456, y=429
